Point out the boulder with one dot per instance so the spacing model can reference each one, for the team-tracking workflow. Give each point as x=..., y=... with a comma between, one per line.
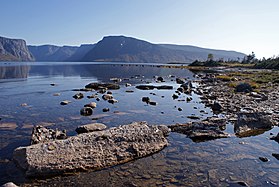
x=276, y=138
x=248, y=122
x=180, y=80
x=9, y=184
x=91, y=105
x=41, y=134
x=208, y=129
x=152, y=87
x=107, y=97
x=244, y=87
x=216, y=106
x=91, y=151
x=90, y=128
x=78, y=96
x=86, y=111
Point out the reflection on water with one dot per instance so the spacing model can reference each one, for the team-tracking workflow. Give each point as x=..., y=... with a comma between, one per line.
x=14, y=72
x=220, y=162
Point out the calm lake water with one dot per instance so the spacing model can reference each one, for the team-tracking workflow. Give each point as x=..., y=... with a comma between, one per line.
x=27, y=99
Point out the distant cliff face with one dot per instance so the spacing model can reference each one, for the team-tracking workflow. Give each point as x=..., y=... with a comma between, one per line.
x=52, y=53
x=14, y=50
x=127, y=49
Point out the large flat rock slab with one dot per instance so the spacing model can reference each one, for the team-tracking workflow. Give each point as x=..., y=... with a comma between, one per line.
x=94, y=150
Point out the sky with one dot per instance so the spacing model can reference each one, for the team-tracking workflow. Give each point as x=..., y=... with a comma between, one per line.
x=240, y=25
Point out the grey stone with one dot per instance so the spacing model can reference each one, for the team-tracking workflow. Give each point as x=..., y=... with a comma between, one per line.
x=86, y=111
x=91, y=105
x=90, y=128
x=9, y=184
x=93, y=150
x=251, y=121
x=41, y=134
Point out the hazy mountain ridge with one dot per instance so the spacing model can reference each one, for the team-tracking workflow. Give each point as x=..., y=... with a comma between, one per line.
x=113, y=49
x=14, y=50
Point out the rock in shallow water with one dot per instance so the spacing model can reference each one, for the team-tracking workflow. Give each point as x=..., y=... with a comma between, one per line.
x=93, y=150
x=41, y=134
x=90, y=128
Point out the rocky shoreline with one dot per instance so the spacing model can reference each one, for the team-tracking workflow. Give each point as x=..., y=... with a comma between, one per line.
x=250, y=110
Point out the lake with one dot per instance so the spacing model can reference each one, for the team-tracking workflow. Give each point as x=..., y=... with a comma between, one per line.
x=31, y=94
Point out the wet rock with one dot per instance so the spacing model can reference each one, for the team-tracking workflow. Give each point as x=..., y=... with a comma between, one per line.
x=154, y=103
x=78, y=96
x=251, y=121
x=90, y=128
x=146, y=99
x=24, y=104
x=188, y=99
x=208, y=129
x=41, y=134
x=86, y=111
x=193, y=117
x=95, y=150
x=164, y=87
x=276, y=138
x=105, y=109
x=259, y=96
x=65, y=102
x=98, y=86
x=146, y=87
x=9, y=184
x=263, y=159
x=275, y=156
x=242, y=183
x=116, y=80
x=107, y=97
x=129, y=91
x=160, y=79
x=179, y=109
x=174, y=96
x=128, y=85
x=91, y=105
x=92, y=96
x=52, y=84
x=244, y=87
x=112, y=101
x=180, y=80
x=152, y=87
x=56, y=94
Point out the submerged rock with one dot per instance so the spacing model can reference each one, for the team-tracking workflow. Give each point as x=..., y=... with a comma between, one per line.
x=208, y=129
x=65, y=102
x=276, y=138
x=90, y=128
x=93, y=150
x=41, y=134
x=247, y=122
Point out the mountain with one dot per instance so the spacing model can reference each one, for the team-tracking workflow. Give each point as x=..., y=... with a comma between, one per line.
x=52, y=53
x=199, y=53
x=14, y=50
x=81, y=52
x=127, y=49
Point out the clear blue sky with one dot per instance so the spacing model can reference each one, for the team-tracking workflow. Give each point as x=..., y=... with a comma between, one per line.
x=241, y=25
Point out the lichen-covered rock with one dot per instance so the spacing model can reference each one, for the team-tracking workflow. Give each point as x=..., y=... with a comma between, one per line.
x=41, y=134
x=93, y=150
x=90, y=128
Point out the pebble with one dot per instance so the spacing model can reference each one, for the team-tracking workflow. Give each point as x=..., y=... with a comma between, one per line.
x=56, y=94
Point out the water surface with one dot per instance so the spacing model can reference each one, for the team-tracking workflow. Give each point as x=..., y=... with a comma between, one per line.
x=27, y=99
